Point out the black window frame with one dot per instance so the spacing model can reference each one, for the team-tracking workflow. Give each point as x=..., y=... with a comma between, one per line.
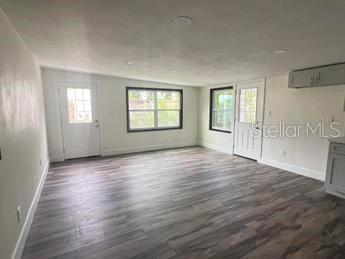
x=129, y=88
x=212, y=90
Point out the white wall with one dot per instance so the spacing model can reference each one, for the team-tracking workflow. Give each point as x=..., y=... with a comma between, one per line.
x=112, y=102
x=220, y=141
x=22, y=136
x=306, y=155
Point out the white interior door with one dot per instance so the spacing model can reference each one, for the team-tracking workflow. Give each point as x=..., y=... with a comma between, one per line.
x=80, y=122
x=249, y=119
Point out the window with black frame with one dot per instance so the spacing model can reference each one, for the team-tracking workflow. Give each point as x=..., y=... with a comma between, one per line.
x=151, y=109
x=221, y=109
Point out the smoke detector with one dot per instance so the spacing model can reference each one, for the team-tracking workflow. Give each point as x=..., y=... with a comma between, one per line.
x=182, y=20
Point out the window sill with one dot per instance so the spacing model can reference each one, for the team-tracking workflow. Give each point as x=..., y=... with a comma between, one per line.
x=219, y=130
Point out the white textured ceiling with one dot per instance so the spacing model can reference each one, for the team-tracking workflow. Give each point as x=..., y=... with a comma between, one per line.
x=228, y=40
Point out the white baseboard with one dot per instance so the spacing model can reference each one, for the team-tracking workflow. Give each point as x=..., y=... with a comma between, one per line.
x=119, y=151
x=218, y=148
x=18, y=250
x=56, y=158
x=294, y=169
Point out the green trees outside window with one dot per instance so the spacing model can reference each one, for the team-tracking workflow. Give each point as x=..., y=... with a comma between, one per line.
x=221, y=109
x=154, y=109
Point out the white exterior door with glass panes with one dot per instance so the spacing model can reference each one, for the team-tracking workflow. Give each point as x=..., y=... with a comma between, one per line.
x=79, y=117
x=249, y=119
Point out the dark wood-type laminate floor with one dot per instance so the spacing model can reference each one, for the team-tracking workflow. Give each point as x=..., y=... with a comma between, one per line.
x=183, y=203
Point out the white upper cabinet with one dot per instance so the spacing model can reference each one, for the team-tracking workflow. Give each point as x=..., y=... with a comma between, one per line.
x=318, y=76
x=330, y=75
x=301, y=78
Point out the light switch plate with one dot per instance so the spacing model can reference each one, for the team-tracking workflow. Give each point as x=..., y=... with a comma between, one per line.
x=19, y=214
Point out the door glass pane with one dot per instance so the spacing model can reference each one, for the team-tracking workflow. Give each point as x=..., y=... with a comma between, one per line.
x=168, y=118
x=87, y=106
x=86, y=94
x=247, y=111
x=79, y=94
x=141, y=119
x=79, y=105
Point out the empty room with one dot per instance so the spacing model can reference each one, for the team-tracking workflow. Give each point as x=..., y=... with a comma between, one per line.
x=172, y=129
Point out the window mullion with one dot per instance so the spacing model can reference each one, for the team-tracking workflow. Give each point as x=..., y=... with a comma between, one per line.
x=155, y=110
x=224, y=119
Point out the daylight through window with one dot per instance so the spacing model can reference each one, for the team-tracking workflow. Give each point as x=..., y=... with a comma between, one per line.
x=79, y=105
x=221, y=110
x=247, y=109
x=154, y=109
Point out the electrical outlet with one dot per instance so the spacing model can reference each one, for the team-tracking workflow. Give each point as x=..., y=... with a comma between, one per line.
x=283, y=152
x=19, y=214
x=40, y=161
